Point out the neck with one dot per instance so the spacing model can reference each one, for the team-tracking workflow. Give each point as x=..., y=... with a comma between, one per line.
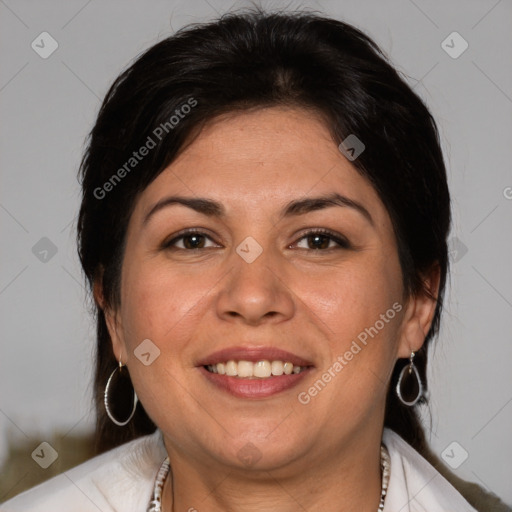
x=347, y=480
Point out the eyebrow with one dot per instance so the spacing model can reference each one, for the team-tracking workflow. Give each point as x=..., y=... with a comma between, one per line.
x=212, y=208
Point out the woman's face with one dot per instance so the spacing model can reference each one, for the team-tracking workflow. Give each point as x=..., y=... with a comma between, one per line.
x=254, y=276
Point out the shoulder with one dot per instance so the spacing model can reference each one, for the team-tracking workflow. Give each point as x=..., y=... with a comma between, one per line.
x=121, y=479
x=415, y=485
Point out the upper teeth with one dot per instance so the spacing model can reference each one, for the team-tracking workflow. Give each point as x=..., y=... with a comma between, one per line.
x=261, y=369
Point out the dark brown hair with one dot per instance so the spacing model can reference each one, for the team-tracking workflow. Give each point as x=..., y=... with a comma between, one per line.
x=255, y=60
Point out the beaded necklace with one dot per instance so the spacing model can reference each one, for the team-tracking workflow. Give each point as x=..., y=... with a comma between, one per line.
x=155, y=505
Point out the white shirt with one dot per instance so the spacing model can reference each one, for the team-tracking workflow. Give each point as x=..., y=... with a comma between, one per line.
x=122, y=480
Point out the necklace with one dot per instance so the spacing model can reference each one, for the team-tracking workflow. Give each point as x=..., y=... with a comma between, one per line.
x=155, y=505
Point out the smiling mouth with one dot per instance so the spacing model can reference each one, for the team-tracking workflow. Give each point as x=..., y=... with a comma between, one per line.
x=263, y=369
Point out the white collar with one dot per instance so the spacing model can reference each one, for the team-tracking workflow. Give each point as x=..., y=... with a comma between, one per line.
x=415, y=485
x=122, y=480
x=129, y=485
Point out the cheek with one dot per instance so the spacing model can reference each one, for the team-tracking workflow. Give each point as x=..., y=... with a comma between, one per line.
x=158, y=304
x=361, y=309
x=352, y=298
x=164, y=307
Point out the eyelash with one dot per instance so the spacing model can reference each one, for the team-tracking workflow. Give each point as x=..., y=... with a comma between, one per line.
x=342, y=242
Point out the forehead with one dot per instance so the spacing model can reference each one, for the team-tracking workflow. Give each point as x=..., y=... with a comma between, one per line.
x=261, y=160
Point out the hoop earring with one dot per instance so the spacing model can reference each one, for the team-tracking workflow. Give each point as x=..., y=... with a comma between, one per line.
x=410, y=369
x=106, y=398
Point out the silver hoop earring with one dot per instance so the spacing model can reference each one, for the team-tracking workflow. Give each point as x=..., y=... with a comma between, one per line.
x=408, y=371
x=111, y=382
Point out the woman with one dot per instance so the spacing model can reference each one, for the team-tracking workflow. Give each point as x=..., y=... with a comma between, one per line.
x=263, y=226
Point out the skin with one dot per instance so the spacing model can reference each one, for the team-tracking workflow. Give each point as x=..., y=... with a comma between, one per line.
x=312, y=302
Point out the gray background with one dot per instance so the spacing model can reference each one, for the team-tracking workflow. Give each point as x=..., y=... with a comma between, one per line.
x=49, y=105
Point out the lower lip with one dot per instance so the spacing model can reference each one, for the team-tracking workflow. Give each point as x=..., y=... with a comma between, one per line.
x=254, y=388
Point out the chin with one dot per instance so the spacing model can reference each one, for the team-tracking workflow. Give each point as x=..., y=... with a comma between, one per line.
x=259, y=453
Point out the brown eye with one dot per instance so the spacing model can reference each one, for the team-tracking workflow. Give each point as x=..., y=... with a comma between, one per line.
x=318, y=241
x=322, y=240
x=190, y=241
x=194, y=241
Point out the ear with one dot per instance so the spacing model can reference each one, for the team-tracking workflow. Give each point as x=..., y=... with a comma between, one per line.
x=111, y=319
x=419, y=314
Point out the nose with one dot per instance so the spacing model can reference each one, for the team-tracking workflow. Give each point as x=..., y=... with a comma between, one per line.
x=255, y=293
